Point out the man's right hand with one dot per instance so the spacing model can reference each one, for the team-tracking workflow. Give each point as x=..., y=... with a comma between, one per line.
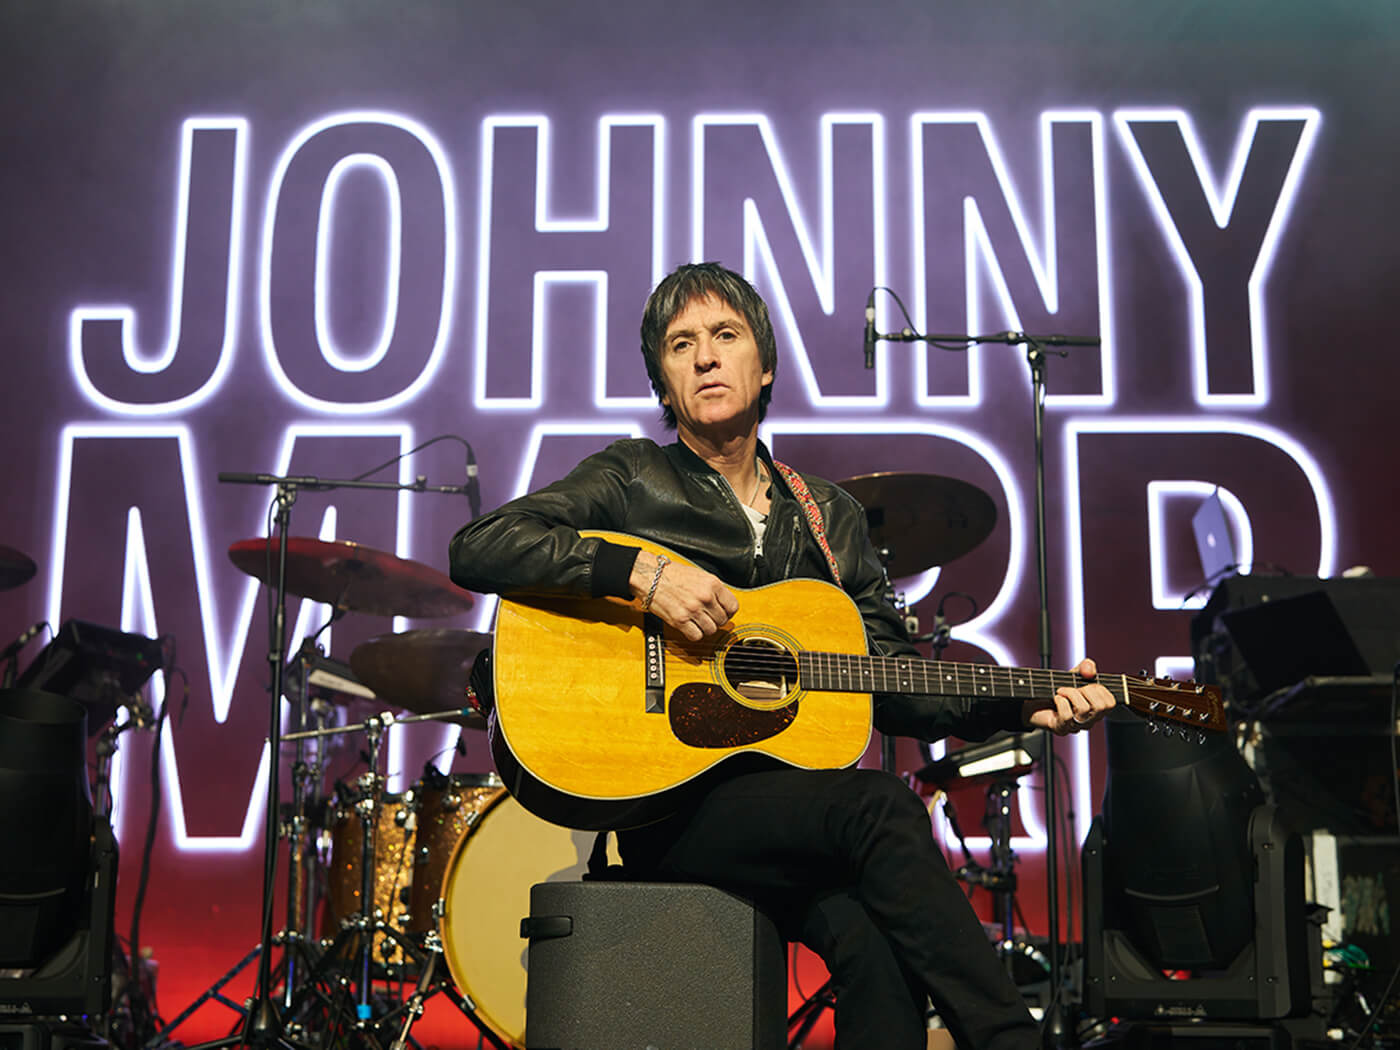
x=695, y=602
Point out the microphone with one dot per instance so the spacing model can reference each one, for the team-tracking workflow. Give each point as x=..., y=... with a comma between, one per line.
x=473, y=486
x=870, y=330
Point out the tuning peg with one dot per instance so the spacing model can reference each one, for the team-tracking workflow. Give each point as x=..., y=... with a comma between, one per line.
x=1200, y=737
x=1152, y=727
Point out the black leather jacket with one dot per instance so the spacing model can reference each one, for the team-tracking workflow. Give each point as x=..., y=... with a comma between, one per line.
x=671, y=496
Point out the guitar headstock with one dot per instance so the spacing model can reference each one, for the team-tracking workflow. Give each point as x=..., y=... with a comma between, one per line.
x=1198, y=706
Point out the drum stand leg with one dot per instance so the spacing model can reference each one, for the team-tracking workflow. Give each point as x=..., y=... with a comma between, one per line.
x=215, y=991
x=431, y=981
x=413, y=1009
x=804, y=1018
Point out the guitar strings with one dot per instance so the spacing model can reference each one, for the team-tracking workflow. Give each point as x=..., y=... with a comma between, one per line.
x=753, y=663
x=741, y=660
x=758, y=659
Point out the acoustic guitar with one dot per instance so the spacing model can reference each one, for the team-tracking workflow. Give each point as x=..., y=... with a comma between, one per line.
x=605, y=718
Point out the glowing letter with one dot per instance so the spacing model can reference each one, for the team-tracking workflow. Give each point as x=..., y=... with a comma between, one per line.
x=973, y=239
x=746, y=208
x=612, y=242
x=338, y=245
x=1113, y=463
x=205, y=261
x=1222, y=232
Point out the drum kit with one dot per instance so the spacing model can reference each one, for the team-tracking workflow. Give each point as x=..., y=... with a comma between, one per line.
x=395, y=897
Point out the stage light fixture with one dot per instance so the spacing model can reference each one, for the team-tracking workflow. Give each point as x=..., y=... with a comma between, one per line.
x=58, y=865
x=1194, y=907
x=1008, y=754
x=45, y=820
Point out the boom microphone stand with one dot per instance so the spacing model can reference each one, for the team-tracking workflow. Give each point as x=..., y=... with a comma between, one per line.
x=263, y=1024
x=1036, y=351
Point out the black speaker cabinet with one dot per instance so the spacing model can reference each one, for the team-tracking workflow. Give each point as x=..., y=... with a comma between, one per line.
x=632, y=966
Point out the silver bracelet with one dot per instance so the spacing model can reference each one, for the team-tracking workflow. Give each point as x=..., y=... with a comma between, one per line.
x=661, y=562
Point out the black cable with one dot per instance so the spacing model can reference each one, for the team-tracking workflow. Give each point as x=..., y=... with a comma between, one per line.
x=1376, y=1010
x=908, y=321
x=1394, y=745
x=1069, y=851
x=911, y=333
x=271, y=588
x=402, y=455
x=137, y=983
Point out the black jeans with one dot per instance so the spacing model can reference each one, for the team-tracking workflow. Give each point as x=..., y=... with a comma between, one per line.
x=845, y=861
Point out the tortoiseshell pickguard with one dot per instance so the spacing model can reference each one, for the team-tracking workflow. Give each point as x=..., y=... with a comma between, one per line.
x=704, y=715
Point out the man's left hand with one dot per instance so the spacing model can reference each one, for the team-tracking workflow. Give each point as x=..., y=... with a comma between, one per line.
x=1071, y=709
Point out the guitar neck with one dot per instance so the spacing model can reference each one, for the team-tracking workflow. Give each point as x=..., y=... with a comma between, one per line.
x=843, y=672
x=1183, y=702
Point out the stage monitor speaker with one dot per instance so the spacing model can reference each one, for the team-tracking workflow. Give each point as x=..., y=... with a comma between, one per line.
x=631, y=965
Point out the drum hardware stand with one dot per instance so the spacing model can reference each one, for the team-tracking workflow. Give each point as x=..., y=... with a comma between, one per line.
x=430, y=982
x=363, y=928
x=804, y=1018
x=359, y=929
x=308, y=776
x=1058, y=1030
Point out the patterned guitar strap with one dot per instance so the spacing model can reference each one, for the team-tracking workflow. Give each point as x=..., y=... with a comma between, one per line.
x=814, y=516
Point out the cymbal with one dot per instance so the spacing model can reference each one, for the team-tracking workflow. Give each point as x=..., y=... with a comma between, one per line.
x=421, y=671
x=16, y=567
x=922, y=519
x=354, y=577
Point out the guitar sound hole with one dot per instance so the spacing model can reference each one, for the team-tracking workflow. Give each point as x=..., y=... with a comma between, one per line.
x=760, y=669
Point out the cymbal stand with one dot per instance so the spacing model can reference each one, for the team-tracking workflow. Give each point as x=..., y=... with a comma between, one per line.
x=1037, y=347
x=263, y=1022
x=302, y=826
x=368, y=812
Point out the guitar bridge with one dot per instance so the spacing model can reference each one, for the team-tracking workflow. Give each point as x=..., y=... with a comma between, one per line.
x=655, y=692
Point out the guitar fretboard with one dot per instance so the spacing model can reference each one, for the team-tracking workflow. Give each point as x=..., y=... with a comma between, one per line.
x=843, y=672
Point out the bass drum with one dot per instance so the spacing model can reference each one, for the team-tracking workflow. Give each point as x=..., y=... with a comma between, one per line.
x=485, y=894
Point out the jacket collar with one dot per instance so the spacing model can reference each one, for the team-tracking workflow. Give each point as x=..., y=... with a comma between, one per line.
x=684, y=457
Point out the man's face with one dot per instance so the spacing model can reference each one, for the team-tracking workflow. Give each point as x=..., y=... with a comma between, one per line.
x=710, y=365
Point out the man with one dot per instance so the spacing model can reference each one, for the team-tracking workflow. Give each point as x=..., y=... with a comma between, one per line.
x=843, y=859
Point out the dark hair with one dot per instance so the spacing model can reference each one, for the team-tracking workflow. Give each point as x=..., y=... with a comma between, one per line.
x=679, y=289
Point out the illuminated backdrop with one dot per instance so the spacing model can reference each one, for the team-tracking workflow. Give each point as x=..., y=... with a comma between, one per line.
x=304, y=238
